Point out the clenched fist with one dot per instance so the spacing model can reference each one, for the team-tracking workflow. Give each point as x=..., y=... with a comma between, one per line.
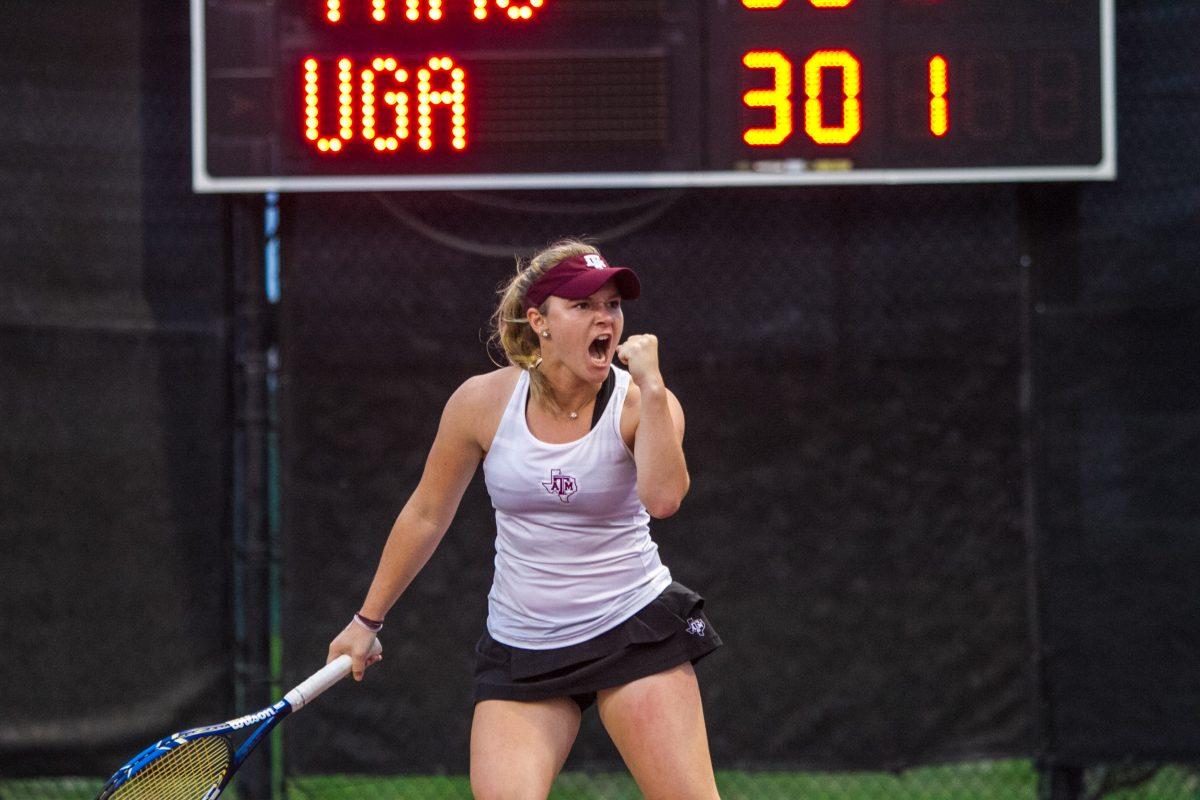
x=640, y=354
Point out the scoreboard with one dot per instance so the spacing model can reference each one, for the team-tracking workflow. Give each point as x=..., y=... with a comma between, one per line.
x=309, y=95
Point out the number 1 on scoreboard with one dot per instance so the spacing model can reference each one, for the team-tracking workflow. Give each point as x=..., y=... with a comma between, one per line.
x=939, y=107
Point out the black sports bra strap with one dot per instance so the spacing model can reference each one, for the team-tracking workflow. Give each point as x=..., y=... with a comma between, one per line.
x=610, y=384
x=602, y=397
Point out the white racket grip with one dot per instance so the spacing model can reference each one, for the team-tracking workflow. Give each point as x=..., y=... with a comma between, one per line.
x=312, y=686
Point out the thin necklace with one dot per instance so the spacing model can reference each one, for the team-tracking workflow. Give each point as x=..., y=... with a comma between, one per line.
x=575, y=414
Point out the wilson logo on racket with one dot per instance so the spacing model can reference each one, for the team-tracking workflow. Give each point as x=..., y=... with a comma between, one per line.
x=250, y=719
x=562, y=485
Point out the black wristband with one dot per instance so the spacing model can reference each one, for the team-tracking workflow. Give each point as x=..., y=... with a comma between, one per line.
x=373, y=625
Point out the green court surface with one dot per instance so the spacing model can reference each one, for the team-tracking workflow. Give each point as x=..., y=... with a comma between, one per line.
x=990, y=780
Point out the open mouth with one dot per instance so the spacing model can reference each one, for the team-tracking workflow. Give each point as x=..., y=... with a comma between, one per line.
x=600, y=349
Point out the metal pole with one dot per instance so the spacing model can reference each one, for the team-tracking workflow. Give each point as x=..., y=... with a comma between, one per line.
x=254, y=491
x=271, y=289
x=1049, y=274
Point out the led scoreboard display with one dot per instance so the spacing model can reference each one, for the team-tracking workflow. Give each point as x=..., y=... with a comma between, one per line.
x=454, y=94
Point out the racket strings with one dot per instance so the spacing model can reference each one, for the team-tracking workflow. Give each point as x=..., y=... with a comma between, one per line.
x=189, y=772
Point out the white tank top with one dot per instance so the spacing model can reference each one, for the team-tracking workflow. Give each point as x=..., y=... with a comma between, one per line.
x=574, y=557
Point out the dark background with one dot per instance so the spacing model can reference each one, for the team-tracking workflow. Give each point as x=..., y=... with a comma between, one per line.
x=943, y=439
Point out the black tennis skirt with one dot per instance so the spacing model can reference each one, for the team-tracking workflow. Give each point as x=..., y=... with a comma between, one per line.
x=670, y=630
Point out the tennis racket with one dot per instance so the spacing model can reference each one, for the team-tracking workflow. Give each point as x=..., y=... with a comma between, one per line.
x=197, y=764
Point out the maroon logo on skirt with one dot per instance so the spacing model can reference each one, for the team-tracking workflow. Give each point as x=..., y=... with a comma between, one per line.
x=695, y=626
x=562, y=485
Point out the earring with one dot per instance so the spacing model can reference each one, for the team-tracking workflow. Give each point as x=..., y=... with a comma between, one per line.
x=545, y=334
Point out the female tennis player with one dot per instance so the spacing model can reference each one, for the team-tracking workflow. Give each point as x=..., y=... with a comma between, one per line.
x=577, y=456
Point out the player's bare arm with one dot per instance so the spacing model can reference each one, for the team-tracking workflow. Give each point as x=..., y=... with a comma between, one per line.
x=662, y=472
x=424, y=519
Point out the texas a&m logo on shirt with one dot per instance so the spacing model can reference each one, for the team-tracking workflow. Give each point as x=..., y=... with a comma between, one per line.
x=562, y=485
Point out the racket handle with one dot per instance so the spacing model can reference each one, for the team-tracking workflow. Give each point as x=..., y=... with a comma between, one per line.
x=322, y=679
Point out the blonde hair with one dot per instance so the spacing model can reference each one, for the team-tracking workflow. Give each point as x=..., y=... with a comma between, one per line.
x=511, y=331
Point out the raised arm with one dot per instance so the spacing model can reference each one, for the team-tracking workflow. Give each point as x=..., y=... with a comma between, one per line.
x=423, y=521
x=662, y=476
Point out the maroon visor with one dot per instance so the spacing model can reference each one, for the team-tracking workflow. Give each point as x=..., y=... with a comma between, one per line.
x=578, y=277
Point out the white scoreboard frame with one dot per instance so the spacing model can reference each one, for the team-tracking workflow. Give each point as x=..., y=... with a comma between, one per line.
x=779, y=173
